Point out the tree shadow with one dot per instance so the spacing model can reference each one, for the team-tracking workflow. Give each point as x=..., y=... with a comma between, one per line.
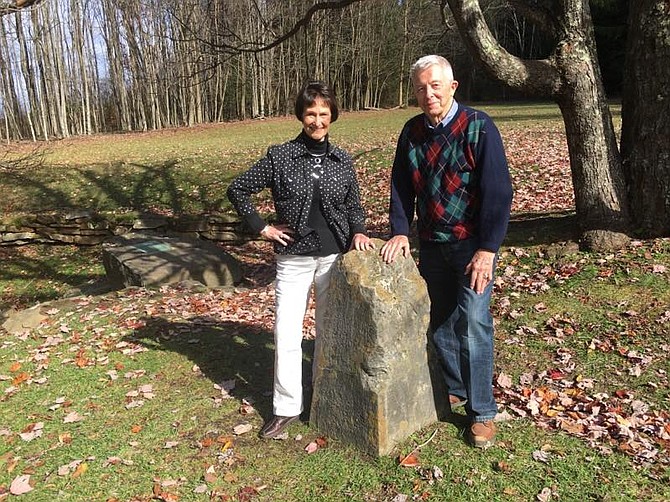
x=143, y=187
x=223, y=350
x=531, y=229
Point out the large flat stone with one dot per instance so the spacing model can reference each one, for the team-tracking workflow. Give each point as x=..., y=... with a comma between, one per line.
x=377, y=380
x=151, y=261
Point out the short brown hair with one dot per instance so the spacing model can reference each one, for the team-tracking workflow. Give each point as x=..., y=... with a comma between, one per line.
x=311, y=91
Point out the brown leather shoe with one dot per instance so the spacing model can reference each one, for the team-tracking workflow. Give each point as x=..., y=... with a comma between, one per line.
x=275, y=426
x=456, y=401
x=483, y=434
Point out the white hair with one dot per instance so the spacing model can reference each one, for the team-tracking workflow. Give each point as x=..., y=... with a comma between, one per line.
x=426, y=62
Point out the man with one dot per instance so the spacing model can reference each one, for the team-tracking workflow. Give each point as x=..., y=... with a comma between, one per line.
x=450, y=166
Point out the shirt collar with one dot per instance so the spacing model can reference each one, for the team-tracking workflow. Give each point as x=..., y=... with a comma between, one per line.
x=450, y=115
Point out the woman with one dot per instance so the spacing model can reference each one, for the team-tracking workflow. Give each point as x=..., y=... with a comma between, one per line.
x=319, y=216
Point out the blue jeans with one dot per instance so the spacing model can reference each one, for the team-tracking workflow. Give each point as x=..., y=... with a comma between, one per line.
x=462, y=325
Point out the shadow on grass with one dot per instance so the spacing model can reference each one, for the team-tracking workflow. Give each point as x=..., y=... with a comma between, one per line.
x=142, y=187
x=531, y=229
x=223, y=351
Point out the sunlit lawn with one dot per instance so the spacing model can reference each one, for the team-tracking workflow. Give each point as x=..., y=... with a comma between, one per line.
x=122, y=396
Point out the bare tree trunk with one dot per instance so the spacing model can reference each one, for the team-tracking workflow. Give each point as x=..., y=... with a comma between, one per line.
x=12, y=109
x=645, y=138
x=115, y=57
x=403, y=57
x=36, y=95
x=59, y=80
x=78, y=41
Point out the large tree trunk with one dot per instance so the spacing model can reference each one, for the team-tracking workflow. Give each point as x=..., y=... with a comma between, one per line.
x=571, y=77
x=645, y=141
x=597, y=175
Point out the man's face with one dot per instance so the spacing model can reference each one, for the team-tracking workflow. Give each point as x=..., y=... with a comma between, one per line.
x=434, y=92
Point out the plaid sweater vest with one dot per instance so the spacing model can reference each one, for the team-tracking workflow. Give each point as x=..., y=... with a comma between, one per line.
x=442, y=164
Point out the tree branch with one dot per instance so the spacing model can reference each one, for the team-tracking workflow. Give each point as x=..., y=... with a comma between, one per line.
x=535, y=77
x=11, y=6
x=302, y=23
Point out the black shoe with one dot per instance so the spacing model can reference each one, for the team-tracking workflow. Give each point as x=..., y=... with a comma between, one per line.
x=275, y=426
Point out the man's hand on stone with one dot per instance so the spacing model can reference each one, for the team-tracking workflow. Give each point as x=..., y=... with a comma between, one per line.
x=395, y=245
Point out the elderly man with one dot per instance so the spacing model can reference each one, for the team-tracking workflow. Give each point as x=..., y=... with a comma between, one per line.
x=450, y=167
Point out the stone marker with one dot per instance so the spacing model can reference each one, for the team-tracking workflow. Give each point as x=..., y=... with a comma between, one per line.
x=376, y=379
x=150, y=261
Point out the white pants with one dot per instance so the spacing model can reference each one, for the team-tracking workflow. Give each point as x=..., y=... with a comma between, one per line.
x=295, y=275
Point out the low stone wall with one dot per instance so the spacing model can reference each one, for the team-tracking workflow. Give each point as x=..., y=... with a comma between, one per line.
x=89, y=228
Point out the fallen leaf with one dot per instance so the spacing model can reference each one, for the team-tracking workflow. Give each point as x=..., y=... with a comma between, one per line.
x=210, y=475
x=32, y=431
x=225, y=387
x=504, y=381
x=242, y=428
x=502, y=466
x=544, y=495
x=81, y=469
x=410, y=460
x=146, y=389
x=112, y=461
x=247, y=493
x=72, y=417
x=246, y=409
x=20, y=485
x=20, y=378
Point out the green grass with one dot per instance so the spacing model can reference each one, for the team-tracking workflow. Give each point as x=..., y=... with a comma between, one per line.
x=179, y=171
x=172, y=171
x=183, y=411
x=39, y=272
x=601, y=319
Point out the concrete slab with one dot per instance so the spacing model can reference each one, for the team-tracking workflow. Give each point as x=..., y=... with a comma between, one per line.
x=150, y=261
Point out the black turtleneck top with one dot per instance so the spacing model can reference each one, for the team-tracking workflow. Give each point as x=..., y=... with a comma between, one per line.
x=317, y=151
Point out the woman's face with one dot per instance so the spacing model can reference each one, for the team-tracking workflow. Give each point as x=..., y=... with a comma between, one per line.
x=316, y=120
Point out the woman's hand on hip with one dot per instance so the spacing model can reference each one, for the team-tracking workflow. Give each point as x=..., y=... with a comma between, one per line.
x=280, y=233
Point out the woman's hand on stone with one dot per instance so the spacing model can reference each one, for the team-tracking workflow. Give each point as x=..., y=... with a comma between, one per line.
x=362, y=242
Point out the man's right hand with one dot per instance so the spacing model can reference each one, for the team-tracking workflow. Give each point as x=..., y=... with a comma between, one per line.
x=395, y=245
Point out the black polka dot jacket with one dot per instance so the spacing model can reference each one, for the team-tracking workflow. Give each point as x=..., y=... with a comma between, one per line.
x=286, y=170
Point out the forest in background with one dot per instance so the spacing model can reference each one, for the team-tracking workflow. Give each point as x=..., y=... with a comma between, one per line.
x=72, y=67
